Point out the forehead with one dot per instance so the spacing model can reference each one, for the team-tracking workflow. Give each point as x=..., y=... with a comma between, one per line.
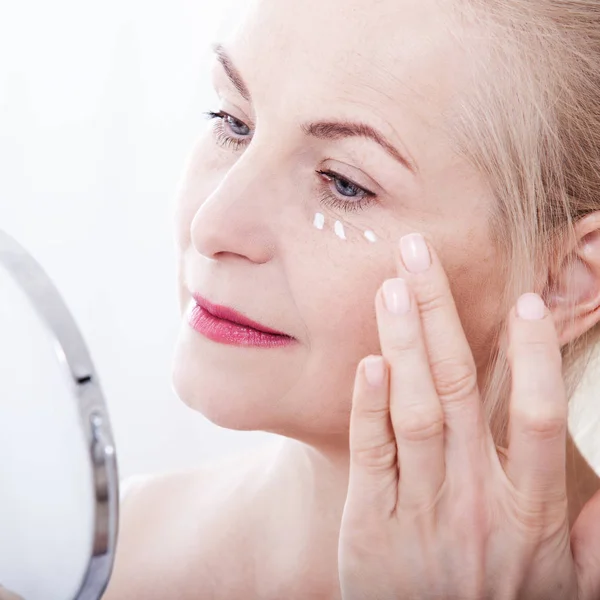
x=396, y=59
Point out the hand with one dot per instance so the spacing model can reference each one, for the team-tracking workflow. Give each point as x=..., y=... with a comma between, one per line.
x=432, y=511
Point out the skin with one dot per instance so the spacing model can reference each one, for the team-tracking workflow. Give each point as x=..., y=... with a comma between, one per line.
x=433, y=510
x=245, y=239
x=8, y=595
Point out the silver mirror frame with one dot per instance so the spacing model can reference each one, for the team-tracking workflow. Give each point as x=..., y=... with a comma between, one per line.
x=73, y=356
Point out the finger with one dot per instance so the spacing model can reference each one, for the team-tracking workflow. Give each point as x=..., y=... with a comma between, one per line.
x=373, y=482
x=450, y=358
x=416, y=414
x=538, y=404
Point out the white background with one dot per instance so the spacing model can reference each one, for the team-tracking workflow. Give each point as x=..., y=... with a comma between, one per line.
x=99, y=105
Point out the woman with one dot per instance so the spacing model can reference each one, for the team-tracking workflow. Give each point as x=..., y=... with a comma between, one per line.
x=479, y=128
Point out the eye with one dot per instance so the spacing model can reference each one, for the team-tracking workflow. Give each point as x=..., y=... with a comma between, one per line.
x=351, y=196
x=226, y=124
x=356, y=197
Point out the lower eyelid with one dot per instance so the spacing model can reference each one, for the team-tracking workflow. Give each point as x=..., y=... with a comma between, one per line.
x=224, y=139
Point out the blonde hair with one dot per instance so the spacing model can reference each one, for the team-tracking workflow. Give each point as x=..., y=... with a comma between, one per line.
x=530, y=122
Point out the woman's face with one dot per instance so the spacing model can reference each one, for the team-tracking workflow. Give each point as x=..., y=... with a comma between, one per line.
x=256, y=221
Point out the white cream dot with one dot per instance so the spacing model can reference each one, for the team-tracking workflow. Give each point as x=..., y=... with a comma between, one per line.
x=319, y=221
x=339, y=230
x=370, y=235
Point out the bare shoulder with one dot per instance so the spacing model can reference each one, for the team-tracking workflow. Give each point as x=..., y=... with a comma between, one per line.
x=149, y=535
x=169, y=524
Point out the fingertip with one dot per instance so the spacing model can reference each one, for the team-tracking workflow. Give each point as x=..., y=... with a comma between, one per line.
x=531, y=321
x=530, y=307
x=374, y=369
x=526, y=322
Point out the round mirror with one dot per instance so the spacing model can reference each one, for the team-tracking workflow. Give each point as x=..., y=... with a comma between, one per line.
x=58, y=470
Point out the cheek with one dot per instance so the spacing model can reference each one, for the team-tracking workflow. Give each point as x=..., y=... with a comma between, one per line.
x=480, y=312
x=338, y=298
x=337, y=303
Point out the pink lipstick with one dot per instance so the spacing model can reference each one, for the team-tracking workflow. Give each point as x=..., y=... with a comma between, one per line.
x=227, y=326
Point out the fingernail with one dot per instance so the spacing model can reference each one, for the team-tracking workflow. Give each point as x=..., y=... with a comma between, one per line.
x=415, y=253
x=395, y=295
x=374, y=370
x=530, y=306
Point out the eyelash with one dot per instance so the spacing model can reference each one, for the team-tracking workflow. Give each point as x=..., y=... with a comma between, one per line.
x=326, y=198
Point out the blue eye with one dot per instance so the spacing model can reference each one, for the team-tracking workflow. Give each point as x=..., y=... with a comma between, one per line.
x=235, y=124
x=351, y=196
x=231, y=123
x=362, y=197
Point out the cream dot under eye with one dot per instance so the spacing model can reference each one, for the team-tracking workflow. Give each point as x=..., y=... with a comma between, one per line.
x=342, y=231
x=339, y=230
x=319, y=221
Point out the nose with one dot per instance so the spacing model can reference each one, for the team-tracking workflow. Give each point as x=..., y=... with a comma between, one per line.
x=238, y=216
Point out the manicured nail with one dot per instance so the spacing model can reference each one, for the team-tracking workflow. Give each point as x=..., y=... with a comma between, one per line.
x=530, y=306
x=415, y=253
x=395, y=295
x=374, y=370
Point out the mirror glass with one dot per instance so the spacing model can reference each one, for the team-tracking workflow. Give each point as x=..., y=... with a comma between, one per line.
x=49, y=511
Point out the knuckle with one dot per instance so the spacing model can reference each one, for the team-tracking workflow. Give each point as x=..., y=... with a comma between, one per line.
x=366, y=413
x=531, y=518
x=376, y=456
x=454, y=380
x=418, y=423
x=545, y=424
x=430, y=297
x=403, y=343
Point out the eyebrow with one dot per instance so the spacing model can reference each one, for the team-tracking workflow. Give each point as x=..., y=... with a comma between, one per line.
x=325, y=130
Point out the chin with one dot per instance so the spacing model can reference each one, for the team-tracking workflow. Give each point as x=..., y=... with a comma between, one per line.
x=227, y=406
x=235, y=387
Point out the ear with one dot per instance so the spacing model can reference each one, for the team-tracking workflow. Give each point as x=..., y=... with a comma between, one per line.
x=573, y=293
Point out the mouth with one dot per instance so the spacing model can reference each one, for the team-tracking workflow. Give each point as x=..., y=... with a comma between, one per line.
x=229, y=314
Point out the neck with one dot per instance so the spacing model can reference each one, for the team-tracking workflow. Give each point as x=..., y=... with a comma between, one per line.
x=314, y=478
x=297, y=516
x=317, y=469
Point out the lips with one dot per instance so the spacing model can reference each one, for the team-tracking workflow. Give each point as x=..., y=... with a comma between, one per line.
x=223, y=312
